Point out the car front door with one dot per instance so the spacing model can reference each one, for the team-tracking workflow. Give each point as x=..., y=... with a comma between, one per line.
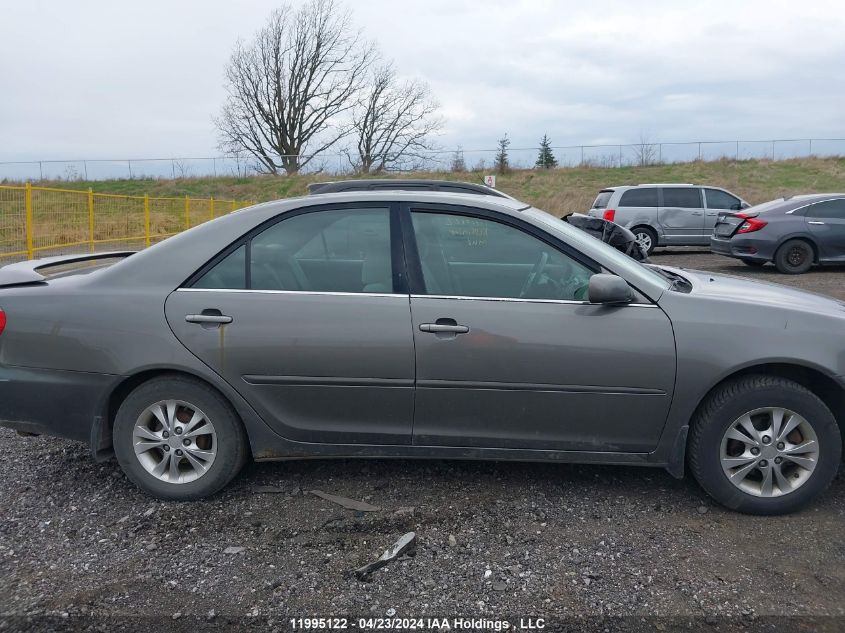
x=309, y=320
x=681, y=215
x=718, y=201
x=509, y=352
x=826, y=221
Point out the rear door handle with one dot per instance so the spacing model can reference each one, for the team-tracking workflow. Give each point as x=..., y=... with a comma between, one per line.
x=208, y=319
x=696, y=213
x=814, y=222
x=440, y=327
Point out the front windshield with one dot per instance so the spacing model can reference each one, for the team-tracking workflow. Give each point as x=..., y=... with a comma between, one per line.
x=615, y=257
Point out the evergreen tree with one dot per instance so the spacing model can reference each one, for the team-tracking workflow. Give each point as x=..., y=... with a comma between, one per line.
x=546, y=159
x=501, y=162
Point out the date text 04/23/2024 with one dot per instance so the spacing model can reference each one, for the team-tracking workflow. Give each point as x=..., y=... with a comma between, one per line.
x=416, y=624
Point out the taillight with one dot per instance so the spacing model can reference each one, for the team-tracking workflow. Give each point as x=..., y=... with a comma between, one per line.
x=609, y=214
x=2, y=321
x=750, y=225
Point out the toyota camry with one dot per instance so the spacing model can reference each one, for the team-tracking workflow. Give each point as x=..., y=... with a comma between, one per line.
x=421, y=324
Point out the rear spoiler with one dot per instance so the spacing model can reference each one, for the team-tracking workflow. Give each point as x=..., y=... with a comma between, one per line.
x=30, y=272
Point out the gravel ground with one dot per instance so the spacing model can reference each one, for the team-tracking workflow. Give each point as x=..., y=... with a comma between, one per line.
x=585, y=548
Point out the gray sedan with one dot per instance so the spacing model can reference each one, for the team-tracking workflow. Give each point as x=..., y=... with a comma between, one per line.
x=794, y=233
x=416, y=324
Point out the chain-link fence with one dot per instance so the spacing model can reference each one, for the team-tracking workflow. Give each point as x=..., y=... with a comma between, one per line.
x=42, y=221
x=618, y=155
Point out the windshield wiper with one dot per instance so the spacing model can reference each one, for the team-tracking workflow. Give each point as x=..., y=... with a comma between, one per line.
x=676, y=282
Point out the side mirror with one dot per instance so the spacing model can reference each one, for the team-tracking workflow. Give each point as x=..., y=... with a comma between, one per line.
x=609, y=290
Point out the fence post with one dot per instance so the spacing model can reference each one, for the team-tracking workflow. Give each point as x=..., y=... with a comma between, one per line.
x=211, y=204
x=91, y=217
x=146, y=220
x=28, y=206
x=187, y=212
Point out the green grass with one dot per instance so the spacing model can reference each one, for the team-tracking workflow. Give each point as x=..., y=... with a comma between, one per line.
x=558, y=191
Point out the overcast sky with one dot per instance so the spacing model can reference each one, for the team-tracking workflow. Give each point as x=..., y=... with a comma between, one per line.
x=108, y=79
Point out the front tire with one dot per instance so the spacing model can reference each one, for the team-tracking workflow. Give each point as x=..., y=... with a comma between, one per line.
x=178, y=439
x=764, y=445
x=646, y=237
x=794, y=257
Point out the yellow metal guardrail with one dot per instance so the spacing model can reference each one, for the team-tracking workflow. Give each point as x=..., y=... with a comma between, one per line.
x=37, y=221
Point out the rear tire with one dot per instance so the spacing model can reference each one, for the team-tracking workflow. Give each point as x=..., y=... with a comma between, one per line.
x=178, y=439
x=794, y=257
x=754, y=263
x=759, y=476
x=646, y=237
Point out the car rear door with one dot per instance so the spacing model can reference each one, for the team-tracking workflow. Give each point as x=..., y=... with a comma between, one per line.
x=509, y=352
x=826, y=222
x=681, y=214
x=309, y=320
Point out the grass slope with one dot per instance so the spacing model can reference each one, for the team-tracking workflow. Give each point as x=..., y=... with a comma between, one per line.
x=558, y=191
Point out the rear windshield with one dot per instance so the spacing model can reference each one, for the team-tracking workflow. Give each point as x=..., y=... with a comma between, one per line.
x=772, y=205
x=602, y=199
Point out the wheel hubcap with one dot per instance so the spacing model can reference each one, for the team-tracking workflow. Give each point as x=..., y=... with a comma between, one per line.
x=174, y=441
x=769, y=452
x=796, y=256
x=645, y=240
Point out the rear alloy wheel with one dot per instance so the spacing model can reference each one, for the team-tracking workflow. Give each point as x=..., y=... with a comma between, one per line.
x=646, y=237
x=794, y=257
x=764, y=445
x=754, y=263
x=176, y=438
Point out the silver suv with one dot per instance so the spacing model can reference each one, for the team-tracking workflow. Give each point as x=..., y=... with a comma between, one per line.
x=666, y=214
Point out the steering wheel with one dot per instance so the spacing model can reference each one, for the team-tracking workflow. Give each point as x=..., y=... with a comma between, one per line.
x=535, y=273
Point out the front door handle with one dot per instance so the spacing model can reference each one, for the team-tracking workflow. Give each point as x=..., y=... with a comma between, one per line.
x=814, y=222
x=434, y=328
x=444, y=328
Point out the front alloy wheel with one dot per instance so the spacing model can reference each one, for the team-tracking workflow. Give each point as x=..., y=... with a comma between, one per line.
x=769, y=452
x=764, y=445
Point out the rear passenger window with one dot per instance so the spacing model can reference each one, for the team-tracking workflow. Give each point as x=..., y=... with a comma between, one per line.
x=685, y=197
x=826, y=209
x=717, y=199
x=643, y=197
x=339, y=250
x=229, y=273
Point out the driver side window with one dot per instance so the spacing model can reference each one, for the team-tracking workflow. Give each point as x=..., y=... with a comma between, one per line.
x=475, y=257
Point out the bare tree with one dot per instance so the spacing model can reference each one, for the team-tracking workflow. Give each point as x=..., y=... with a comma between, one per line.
x=458, y=162
x=394, y=122
x=645, y=151
x=288, y=86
